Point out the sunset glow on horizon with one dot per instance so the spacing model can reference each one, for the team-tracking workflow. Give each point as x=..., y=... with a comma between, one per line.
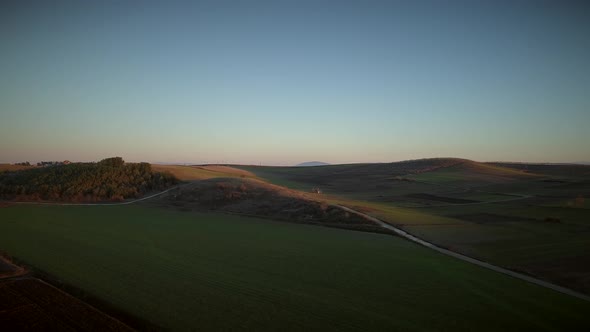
x=279, y=83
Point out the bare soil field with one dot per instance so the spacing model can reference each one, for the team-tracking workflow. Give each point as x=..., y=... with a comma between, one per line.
x=29, y=304
x=7, y=269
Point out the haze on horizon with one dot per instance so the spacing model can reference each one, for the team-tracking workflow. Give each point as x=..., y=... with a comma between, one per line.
x=283, y=82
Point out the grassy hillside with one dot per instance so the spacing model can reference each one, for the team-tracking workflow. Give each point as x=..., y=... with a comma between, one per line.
x=258, y=198
x=562, y=170
x=344, y=176
x=535, y=223
x=400, y=183
x=546, y=241
x=190, y=173
x=214, y=272
x=473, y=173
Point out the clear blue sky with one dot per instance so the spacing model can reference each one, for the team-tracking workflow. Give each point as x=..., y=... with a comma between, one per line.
x=281, y=82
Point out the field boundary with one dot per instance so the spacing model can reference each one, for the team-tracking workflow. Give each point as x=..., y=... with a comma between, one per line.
x=468, y=259
x=74, y=300
x=515, y=196
x=519, y=197
x=18, y=271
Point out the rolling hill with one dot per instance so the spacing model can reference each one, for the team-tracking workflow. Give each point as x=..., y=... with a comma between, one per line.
x=378, y=180
x=258, y=198
x=312, y=163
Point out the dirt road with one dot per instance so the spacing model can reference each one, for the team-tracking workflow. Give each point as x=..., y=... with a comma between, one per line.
x=486, y=265
x=398, y=231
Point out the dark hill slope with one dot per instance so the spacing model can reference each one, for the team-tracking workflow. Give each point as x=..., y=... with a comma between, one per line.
x=373, y=174
x=326, y=175
x=565, y=170
x=258, y=198
x=469, y=173
x=378, y=180
x=312, y=163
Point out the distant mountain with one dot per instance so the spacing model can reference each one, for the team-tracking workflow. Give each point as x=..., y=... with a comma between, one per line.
x=312, y=163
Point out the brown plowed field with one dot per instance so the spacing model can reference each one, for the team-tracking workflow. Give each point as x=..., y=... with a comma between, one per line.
x=29, y=304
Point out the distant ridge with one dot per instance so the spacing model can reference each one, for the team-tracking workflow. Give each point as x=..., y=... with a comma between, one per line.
x=312, y=163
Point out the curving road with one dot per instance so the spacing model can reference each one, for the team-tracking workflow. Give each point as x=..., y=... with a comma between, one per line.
x=483, y=264
x=385, y=225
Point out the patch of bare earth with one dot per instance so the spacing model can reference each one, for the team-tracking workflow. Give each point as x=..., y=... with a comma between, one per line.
x=9, y=270
x=257, y=198
x=29, y=304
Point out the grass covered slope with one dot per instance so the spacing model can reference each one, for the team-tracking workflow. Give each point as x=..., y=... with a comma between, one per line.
x=214, y=272
x=258, y=198
x=402, y=183
x=110, y=179
x=190, y=173
x=560, y=170
x=340, y=176
x=471, y=173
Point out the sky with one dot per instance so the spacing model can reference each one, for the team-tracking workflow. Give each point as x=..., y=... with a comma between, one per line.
x=283, y=82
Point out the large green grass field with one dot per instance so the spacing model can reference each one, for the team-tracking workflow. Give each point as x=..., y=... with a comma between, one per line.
x=536, y=222
x=215, y=272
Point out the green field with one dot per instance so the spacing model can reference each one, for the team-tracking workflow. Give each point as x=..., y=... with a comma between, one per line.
x=514, y=234
x=396, y=183
x=192, y=271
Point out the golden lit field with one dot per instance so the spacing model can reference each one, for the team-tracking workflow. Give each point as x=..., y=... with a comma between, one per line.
x=188, y=173
x=11, y=167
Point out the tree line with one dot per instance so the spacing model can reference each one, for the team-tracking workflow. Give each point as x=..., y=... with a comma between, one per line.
x=110, y=179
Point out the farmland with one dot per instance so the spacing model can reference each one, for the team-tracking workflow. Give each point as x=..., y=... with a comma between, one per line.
x=188, y=173
x=295, y=166
x=12, y=167
x=31, y=304
x=532, y=219
x=181, y=270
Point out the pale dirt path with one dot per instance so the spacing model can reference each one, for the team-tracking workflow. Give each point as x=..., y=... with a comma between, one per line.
x=483, y=264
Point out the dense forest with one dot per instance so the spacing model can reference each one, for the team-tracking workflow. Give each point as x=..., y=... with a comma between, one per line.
x=110, y=179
